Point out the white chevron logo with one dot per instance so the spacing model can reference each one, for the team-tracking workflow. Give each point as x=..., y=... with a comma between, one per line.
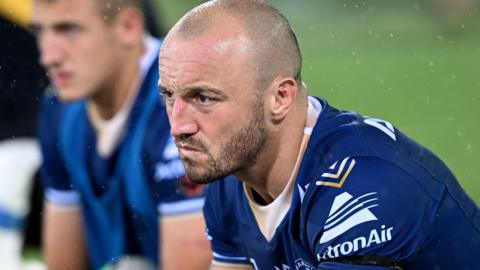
x=332, y=176
x=346, y=213
x=386, y=128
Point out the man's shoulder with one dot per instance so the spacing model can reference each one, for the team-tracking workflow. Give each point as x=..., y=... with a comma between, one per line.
x=53, y=113
x=155, y=128
x=365, y=203
x=359, y=175
x=158, y=146
x=341, y=138
x=339, y=132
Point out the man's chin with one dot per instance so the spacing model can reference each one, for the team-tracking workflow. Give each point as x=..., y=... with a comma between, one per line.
x=202, y=176
x=207, y=177
x=201, y=179
x=69, y=94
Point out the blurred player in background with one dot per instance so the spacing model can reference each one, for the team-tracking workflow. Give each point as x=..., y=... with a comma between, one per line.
x=307, y=186
x=115, y=193
x=22, y=81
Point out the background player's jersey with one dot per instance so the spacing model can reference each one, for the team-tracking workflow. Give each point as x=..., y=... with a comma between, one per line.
x=363, y=188
x=123, y=194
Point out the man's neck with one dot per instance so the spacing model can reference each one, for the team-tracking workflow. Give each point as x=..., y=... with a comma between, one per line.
x=111, y=99
x=274, y=166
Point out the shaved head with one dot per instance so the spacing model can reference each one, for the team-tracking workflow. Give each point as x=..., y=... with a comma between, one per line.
x=274, y=47
x=230, y=75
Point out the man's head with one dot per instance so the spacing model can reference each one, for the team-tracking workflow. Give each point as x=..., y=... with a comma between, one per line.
x=84, y=43
x=230, y=72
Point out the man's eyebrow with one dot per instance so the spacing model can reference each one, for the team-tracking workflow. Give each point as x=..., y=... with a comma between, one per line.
x=199, y=88
x=162, y=88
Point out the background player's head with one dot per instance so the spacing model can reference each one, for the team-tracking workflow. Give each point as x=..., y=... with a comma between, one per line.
x=230, y=71
x=87, y=46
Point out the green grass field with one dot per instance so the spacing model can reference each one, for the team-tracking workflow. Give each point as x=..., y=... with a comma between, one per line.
x=400, y=64
x=396, y=61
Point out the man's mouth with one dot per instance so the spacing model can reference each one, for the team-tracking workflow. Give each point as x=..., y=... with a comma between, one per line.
x=61, y=78
x=187, y=150
x=188, y=147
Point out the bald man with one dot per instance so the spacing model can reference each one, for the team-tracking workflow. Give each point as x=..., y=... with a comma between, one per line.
x=303, y=184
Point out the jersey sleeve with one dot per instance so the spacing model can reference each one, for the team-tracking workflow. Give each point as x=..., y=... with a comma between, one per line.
x=368, y=207
x=175, y=194
x=57, y=185
x=220, y=228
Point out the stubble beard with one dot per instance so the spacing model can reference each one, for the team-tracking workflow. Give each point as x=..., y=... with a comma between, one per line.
x=237, y=153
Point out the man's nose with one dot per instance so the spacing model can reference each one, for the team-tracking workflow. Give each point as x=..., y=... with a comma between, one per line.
x=182, y=118
x=51, y=51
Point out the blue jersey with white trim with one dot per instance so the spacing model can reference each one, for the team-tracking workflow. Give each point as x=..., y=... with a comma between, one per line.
x=363, y=188
x=122, y=195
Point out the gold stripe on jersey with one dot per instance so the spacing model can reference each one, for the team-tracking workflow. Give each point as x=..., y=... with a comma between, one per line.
x=329, y=178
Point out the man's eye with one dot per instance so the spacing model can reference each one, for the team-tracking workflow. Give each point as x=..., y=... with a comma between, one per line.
x=204, y=99
x=166, y=94
x=68, y=30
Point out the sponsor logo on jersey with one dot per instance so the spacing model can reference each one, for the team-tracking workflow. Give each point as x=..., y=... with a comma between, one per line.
x=301, y=264
x=337, y=173
x=172, y=167
x=169, y=170
x=170, y=151
x=346, y=213
x=376, y=236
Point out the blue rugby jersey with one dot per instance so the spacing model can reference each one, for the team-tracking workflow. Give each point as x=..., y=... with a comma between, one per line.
x=122, y=195
x=363, y=188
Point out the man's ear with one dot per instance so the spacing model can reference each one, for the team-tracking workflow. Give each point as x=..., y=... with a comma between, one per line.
x=284, y=93
x=129, y=25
